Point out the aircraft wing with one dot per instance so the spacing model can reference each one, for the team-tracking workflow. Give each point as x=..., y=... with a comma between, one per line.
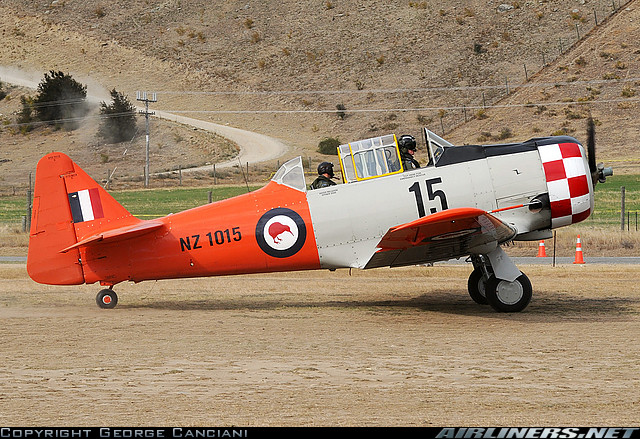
x=444, y=235
x=118, y=234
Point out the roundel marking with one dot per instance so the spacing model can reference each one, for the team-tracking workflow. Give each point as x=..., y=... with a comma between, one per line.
x=281, y=232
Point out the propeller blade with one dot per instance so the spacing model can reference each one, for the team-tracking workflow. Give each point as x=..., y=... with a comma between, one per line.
x=599, y=173
x=591, y=145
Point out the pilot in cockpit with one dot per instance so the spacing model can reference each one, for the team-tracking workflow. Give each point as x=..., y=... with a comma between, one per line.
x=325, y=175
x=407, y=145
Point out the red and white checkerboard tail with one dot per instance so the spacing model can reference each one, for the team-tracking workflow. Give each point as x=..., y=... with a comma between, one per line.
x=569, y=182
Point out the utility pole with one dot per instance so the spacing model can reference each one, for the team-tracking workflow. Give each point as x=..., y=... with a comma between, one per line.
x=144, y=97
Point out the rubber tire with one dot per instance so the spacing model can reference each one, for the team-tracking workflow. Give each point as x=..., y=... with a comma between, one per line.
x=477, y=287
x=107, y=299
x=504, y=296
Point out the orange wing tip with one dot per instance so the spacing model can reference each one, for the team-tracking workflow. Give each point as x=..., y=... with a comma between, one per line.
x=118, y=234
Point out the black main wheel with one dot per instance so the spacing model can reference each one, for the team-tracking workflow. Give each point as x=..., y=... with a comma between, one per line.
x=107, y=299
x=477, y=286
x=505, y=296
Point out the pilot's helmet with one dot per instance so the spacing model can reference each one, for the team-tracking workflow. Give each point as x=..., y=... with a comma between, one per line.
x=406, y=142
x=325, y=168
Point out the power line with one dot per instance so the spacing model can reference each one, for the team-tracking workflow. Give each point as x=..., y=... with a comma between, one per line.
x=381, y=90
x=70, y=119
x=404, y=90
x=416, y=109
x=353, y=110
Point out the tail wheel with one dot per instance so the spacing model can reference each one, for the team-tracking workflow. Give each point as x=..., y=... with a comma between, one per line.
x=505, y=296
x=477, y=286
x=107, y=299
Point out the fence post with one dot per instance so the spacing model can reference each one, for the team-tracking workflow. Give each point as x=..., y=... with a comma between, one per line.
x=622, y=195
x=28, y=219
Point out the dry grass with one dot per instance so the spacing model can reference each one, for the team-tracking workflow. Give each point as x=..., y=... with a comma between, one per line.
x=595, y=241
x=13, y=242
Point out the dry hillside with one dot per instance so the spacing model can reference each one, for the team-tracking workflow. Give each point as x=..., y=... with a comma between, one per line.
x=280, y=68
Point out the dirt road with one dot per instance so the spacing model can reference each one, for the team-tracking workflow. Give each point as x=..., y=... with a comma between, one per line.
x=384, y=347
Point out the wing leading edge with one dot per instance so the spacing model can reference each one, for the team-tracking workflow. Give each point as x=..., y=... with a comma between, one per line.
x=449, y=234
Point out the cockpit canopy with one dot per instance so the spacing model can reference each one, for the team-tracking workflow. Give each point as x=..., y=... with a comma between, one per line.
x=370, y=158
x=364, y=160
x=380, y=156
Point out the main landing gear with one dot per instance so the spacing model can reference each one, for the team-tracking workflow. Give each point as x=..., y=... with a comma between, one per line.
x=503, y=295
x=107, y=299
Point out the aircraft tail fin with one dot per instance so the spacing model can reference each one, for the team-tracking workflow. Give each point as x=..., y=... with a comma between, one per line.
x=68, y=206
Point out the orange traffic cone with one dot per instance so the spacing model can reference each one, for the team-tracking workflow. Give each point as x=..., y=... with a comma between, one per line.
x=579, y=259
x=542, y=253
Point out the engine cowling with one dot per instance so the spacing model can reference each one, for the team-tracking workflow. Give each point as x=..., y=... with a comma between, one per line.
x=569, y=182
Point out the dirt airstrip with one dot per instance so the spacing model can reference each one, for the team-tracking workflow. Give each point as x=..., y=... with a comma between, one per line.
x=386, y=347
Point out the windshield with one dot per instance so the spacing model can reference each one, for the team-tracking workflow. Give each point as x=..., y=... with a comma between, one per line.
x=291, y=174
x=435, y=146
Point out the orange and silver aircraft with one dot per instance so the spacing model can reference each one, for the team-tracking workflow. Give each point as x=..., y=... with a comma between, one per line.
x=466, y=202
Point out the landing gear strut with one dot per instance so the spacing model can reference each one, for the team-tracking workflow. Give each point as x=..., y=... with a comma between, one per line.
x=107, y=299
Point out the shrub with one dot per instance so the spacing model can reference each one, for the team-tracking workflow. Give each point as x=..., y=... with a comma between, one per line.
x=118, y=119
x=329, y=146
x=505, y=133
x=478, y=49
x=61, y=100
x=25, y=116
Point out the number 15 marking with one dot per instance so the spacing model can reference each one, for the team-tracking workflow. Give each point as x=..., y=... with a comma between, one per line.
x=417, y=191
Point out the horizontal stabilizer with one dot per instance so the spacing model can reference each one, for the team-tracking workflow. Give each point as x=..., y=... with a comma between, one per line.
x=118, y=234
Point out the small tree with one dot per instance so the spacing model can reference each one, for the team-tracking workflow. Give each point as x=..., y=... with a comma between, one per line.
x=118, y=119
x=3, y=94
x=61, y=100
x=25, y=116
